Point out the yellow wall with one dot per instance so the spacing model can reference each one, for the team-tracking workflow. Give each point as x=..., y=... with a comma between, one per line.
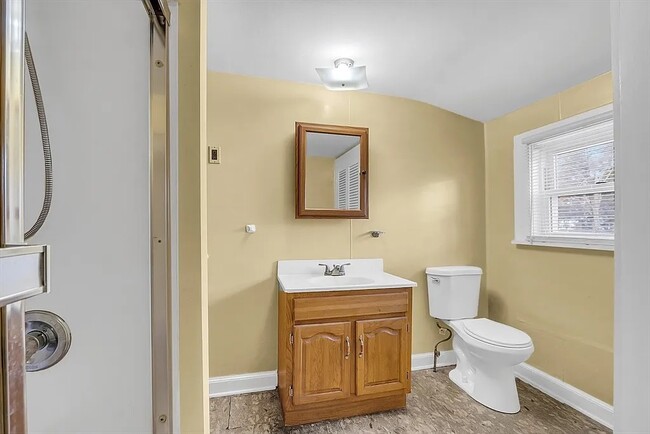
x=192, y=162
x=319, y=182
x=563, y=298
x=426, y=192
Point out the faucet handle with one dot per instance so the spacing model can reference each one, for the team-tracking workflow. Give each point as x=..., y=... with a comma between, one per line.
x=328, y=270
x=342, y=267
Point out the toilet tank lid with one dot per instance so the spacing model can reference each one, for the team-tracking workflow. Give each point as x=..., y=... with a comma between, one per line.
x=454, y=270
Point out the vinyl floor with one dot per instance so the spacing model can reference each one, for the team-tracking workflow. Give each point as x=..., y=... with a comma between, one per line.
x=436, y=405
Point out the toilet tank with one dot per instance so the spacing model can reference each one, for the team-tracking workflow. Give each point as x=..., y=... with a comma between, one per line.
x=453, y=291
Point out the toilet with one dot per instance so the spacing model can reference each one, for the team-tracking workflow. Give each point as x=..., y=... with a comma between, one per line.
x=486, y=351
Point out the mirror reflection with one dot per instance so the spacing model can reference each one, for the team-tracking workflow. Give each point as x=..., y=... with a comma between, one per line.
x=332, y=171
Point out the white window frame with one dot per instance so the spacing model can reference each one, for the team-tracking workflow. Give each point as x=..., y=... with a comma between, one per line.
x=522, y=179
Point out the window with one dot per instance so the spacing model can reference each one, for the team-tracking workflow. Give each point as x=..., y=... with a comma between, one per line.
x=564, y=183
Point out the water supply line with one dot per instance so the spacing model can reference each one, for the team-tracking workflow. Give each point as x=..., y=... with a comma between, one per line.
x=436, y=353
x=45, y=138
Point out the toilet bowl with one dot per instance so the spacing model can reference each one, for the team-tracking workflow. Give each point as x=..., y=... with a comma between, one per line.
x=486, y=351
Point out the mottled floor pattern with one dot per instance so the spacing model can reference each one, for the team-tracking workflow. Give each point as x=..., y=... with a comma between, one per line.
x=435, y=405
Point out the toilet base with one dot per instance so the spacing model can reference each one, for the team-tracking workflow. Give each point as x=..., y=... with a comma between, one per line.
x=495, y=389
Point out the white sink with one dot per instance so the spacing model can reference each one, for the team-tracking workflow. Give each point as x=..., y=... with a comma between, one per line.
x=307, y=276
x=340, y=280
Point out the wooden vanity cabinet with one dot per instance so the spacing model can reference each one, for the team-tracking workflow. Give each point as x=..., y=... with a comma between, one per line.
x=343, y=353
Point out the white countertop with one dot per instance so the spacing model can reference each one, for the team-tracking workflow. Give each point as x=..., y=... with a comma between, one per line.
x=307, y=276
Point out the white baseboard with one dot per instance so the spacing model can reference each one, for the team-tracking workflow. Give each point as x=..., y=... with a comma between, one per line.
x=425, y=360
x=573, y=397
x=243, y=383
x=268, y=380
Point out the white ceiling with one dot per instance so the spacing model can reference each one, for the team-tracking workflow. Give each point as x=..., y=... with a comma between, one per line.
x=329, y=145
x=480, y=59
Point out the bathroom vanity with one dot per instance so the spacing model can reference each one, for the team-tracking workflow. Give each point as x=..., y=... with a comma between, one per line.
x=344, y=342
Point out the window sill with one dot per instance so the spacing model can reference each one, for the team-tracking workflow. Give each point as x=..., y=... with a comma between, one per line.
x=581, y=246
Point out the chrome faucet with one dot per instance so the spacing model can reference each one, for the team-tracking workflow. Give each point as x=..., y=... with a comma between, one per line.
x=336, y=270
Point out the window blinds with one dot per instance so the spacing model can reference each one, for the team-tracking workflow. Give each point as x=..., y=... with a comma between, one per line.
x=572, y=186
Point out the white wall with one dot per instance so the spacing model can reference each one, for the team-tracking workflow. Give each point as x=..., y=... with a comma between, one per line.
x=631, y=67
x=93, y=62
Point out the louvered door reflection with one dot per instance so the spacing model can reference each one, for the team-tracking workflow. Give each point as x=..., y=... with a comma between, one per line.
x=353, y=186
x=348, y=181
x=342, y=189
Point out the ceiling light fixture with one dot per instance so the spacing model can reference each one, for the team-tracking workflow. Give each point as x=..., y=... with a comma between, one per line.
x=344, y=75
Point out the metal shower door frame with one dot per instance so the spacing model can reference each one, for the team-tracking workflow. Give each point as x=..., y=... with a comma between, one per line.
x=12, y=316
x=13, y=250
x=159, y=160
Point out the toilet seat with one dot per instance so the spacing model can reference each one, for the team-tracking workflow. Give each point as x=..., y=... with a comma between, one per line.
x=497, y=334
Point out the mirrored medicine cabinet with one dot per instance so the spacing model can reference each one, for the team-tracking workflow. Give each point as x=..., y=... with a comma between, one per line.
x=331, y=171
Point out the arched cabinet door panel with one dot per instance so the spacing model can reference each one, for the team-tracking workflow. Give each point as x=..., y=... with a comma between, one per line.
x=322, y=365
x=383, y=355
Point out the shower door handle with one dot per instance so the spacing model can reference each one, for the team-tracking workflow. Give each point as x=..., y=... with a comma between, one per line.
x=25, y=272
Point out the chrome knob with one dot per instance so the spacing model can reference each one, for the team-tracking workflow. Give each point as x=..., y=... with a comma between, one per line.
x=47, y=339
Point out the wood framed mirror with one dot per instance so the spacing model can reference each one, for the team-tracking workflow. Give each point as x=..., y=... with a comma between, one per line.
x=331, y=171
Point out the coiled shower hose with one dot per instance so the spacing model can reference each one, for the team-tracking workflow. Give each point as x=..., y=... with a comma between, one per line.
x=45, y=138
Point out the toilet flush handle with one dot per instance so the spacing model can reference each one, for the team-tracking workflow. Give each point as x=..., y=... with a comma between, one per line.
x=435, y=279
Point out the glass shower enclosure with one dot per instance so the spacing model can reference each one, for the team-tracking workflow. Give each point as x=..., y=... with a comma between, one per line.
x=25, y=269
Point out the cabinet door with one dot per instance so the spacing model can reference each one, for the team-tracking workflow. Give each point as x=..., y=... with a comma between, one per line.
x=322, y=369
x=383, y=361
